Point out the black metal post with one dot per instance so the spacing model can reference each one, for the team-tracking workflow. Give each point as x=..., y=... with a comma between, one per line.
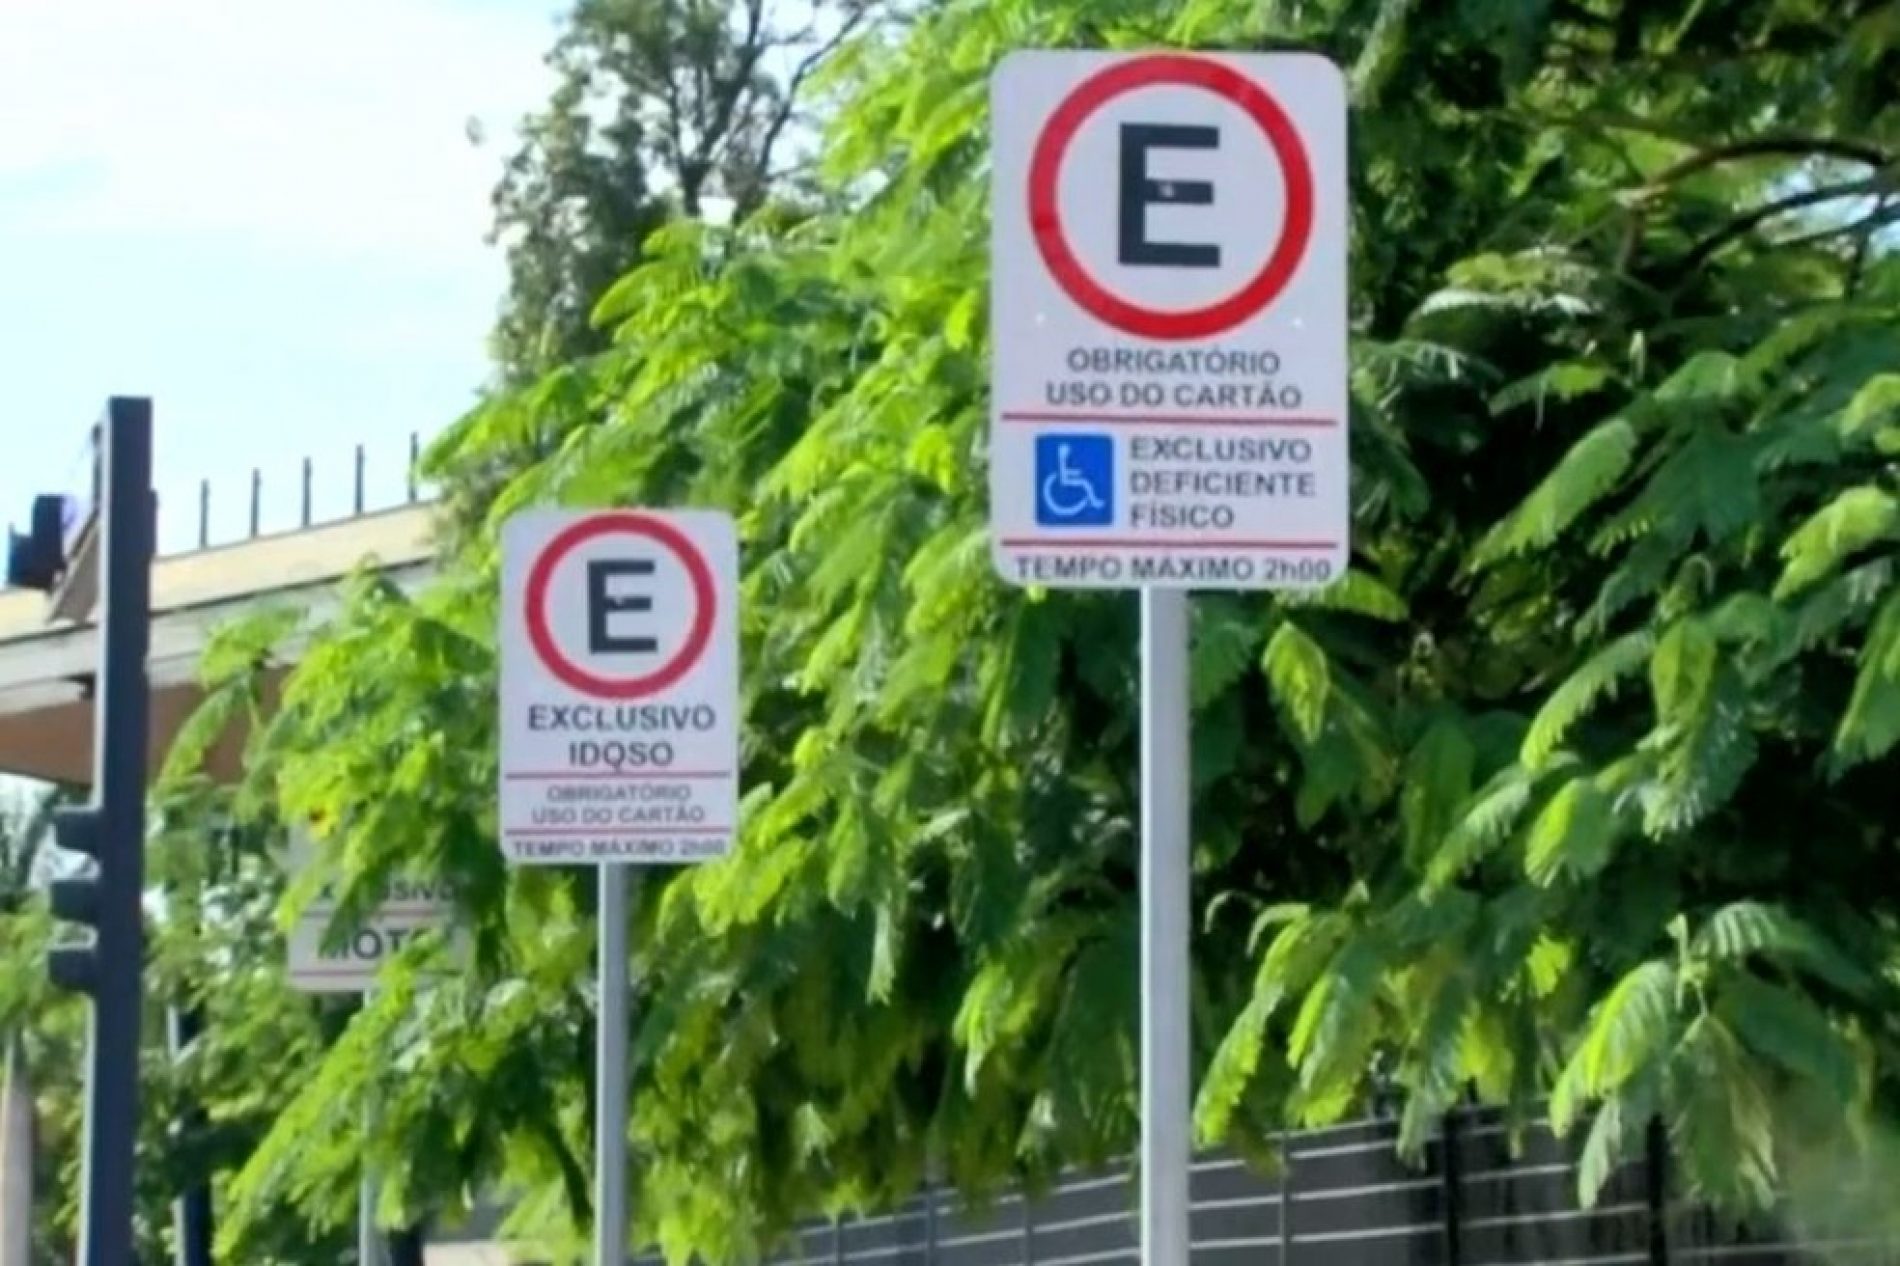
x=119, y=754
x=405, y=1247
x=415, y=456
x=257, y=498
x=191, y=1213
x=356, y=500
x=1451, y=1188
x=306, y=492
x=1286, y=1198
x=1656, y=1190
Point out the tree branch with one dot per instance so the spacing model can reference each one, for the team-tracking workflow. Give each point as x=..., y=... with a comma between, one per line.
x=782, y=117
x=575, y=1186
x=1885, y=213
x=1745, y=224
x=731, y=90
x=676, y=119
x=1765, y=146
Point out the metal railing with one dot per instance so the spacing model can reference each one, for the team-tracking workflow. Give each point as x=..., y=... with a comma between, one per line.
x=306, y=482
x=1343, y=1198
x=85, y=471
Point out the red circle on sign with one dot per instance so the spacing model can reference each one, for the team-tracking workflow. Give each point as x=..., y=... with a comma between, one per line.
x=1045, y=211
x=628, y=523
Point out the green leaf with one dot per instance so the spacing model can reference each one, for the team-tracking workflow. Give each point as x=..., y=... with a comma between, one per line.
x=1299, y=952
x=1704, y=744
x=1631, y=1027
x=1354, y=592
x=1564, y=381
x=1488, y=820
x=1682, y=671
x=1297, y=670
x=1587, y=473
x=1438, y=774
x=1852, y=521
x=1788, y=1028
x=1870, y=726
x=1616, y=1137
x=1573, y=835
x=1227, y=638
x=1591, y=683
x=1722, y=1126
x=1334, y=1032
x=1742, y=929
x=1874, y=407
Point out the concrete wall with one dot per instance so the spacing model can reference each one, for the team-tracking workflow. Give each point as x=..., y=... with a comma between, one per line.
x=45, y=667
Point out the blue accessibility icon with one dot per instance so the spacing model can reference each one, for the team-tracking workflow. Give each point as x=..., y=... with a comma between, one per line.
x=1075, y=480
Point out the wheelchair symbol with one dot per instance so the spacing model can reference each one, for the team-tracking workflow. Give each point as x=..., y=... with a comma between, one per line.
x=1075, y=480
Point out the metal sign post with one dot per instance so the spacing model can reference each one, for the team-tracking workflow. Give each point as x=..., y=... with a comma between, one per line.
x=619, y=738
x=610, y=1100
x=352, y=969
x=1168, y=412
x=1166, y=926
x=369, y=1250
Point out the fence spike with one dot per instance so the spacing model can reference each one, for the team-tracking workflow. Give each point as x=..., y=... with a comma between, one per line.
x=1656, y=1190
x=1286, y=1198
x=1450, y=1186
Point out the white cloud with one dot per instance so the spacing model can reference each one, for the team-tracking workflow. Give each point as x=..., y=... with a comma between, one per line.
x=334, y=129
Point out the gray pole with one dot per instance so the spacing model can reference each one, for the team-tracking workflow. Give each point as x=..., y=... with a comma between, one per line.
x=1166, y=1099
x=610, y=1097
x=368, y=1251
x=16, y=1159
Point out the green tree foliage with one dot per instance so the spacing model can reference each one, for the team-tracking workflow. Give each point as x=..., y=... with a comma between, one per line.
x=42, y=1029
x=658, y=106
x=1572, y=793
x=661, y=108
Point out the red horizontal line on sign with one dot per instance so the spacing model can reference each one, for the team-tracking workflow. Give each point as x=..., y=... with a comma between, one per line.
x=548, y=775
x=1167, y=419
x=615, y=830
x=1138, y=542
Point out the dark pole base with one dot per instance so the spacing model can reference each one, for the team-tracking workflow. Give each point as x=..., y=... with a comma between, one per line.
x=405, y=1247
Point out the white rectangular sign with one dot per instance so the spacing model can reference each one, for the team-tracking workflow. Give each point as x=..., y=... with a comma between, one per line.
x=351, y=966
x=1168, y=317
x=619, y=686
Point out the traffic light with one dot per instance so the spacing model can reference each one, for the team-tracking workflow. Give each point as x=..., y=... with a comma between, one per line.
x=111, y=830
x=35, y=561
x=77, y=899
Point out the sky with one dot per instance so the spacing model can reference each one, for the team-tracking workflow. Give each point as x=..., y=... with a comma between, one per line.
x=268, y=216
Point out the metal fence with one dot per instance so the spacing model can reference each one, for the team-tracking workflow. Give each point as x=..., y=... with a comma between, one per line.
x=1343, y=1198
x=359, y=503
x=283, y=501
